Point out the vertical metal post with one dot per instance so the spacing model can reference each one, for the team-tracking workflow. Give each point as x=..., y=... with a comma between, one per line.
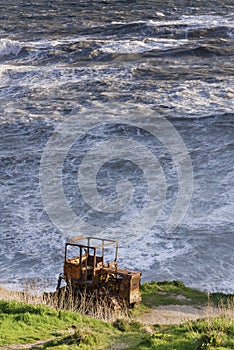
x=80, y=262
x=94, y=258
x=103, y=252
x=65, y=251
x=86, y=264
x=116, y=252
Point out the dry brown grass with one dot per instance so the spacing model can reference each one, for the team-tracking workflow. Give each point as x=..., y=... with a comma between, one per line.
x=85, y=303
x=29, y=293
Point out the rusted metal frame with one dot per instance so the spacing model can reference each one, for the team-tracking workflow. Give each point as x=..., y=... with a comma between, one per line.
x=77, y=245
x=111, y=241
x=80, y=261
x=94, y=262
x=103, y=246
x=104, y=240
x=66, y=251
x=116, y=253
x=86, y=264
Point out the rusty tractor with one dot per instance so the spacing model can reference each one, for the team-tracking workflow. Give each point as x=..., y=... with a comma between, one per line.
x=91, y=264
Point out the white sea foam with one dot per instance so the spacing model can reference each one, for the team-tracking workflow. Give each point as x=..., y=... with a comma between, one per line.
x=9, y=47
x=200, y=21
x=139, y=46
x=207, y=21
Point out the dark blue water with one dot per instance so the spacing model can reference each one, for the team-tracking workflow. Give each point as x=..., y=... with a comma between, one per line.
x=64, y=66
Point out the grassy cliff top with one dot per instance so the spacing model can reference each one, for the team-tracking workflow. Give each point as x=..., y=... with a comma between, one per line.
x=29, y=325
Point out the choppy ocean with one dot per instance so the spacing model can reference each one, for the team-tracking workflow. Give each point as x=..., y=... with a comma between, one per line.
x=71, y=62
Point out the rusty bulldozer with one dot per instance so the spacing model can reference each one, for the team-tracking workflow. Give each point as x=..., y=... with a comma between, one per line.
x=90, y=264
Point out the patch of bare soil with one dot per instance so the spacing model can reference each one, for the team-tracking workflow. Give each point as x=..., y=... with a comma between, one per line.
x=119, y=346
x=25, y=346
x=175, y=314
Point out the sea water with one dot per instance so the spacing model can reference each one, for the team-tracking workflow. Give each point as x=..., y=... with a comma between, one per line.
x=62, y=60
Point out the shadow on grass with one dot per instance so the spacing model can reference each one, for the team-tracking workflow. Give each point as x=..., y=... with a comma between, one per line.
x=78, y=338
x=73, y=339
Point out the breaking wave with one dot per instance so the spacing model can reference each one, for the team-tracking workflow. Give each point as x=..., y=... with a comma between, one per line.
x=9, y=48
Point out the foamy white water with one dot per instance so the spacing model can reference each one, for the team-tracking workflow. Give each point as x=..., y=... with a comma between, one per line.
x=60, y=60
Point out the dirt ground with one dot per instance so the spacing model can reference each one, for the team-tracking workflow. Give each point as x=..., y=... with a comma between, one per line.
x=175, y=314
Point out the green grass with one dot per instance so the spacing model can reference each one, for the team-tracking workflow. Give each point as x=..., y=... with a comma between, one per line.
x=167, y=293
x=22, y=323
x=217, y=334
